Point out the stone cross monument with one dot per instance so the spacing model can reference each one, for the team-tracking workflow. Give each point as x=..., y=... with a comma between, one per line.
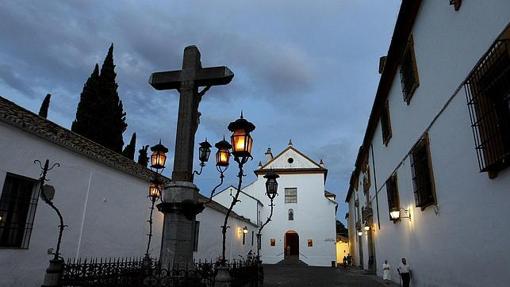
x=180, y=198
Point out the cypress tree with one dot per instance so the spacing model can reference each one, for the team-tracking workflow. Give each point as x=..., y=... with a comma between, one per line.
x=129, y=150
x=43, y=111
x=87, y=115
x=100, y=115
x=114, y=115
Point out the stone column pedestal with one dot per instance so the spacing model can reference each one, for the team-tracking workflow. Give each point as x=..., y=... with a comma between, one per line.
x=54, y=273
x=180, y=206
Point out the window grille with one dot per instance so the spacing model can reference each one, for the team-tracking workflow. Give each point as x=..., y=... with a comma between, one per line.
x=392, y=192
x=366, y=180
x=310, y=243
x=409, y=72
x=291, y=195
x=291, y=214
x=386, y=124
x=17, y=211
x=421, y=166
x=488, y=95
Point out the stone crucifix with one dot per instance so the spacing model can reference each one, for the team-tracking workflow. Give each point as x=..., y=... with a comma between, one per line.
x=180, y=198
x=187, y=81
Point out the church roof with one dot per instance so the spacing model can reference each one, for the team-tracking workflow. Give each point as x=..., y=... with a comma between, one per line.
x=291, y=160
x=25, y=120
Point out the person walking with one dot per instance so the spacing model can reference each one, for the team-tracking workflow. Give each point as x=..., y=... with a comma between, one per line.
x=405, y=272
x=386, y=271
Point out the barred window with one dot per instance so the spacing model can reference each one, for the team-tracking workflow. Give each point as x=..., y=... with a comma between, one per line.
x=291, y=214
x=423, y=181
x=291, y=195
x=17, y=211
x=409, y=71
x=392, y=194
x=272, y=242
x=386, y=124
x=366, y=179
x=488, y=94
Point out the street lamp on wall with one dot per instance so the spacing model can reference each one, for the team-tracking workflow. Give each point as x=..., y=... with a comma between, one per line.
x=398, y=213
x=271, y=184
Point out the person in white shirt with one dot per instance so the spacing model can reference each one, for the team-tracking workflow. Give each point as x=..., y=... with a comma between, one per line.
x=386, y=271
x=405, y=272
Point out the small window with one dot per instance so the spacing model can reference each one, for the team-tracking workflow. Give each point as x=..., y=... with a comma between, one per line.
x=291, y=214
x=310, y=242
x=272, y=242
x=488, y=94
x=290, y=160
x=252, y=237
x=392, y=192
x=291, y=195
x=195, y=240
x=423, y=181
x=17, y=211
x=409, y=71
x=386, y=124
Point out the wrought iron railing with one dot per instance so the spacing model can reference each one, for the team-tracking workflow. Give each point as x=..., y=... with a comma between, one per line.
x=142, y=272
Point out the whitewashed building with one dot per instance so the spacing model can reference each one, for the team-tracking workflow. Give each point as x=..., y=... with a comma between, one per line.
x=101, y=194
x=303, y=225
x=436, y=149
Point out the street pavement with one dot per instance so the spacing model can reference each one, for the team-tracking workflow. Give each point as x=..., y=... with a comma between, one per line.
x=281, y=275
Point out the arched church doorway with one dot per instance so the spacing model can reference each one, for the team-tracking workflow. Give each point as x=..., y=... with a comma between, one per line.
x=291, y=244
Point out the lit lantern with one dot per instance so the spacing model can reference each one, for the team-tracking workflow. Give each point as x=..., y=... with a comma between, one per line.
x=223, y=154
x=271, y=184
x=395, y=214
x=154, y=190
x=245, y=230
x=158, y=157
x=360, y=233
x=204, y=151
x=367, y=227
x=241, y=139
x=156, y=186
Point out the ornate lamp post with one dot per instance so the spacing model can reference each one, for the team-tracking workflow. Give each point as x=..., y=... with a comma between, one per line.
x=222, y=161
x=156, y=185
x=242, y=143
x=271, y=192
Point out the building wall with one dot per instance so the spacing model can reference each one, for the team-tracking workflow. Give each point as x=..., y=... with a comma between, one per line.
x=210, y=238
x=247, y=206
x=342, y=249
x=314, y=218
x=466, y=225
x=101, y=207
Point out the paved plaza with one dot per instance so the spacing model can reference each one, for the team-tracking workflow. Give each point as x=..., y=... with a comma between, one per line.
x=300, y=275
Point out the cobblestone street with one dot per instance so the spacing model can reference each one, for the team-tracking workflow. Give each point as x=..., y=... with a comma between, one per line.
x=300, y=275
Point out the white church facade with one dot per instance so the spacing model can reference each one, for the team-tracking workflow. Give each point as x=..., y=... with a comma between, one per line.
x=303, y=225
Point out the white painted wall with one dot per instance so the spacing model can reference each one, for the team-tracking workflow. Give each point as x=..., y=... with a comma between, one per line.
x=102, y=207
x=462, y=242
x=210, y=238
x=247, y=206
x=314, y=218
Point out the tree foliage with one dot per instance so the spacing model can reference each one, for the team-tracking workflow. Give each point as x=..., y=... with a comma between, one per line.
x=129, y=150
x=45, y=105
x=100, y=115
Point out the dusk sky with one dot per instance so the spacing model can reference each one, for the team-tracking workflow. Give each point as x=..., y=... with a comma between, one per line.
x=304, y=70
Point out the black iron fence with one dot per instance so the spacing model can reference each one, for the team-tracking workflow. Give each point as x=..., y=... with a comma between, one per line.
x=142, y=272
